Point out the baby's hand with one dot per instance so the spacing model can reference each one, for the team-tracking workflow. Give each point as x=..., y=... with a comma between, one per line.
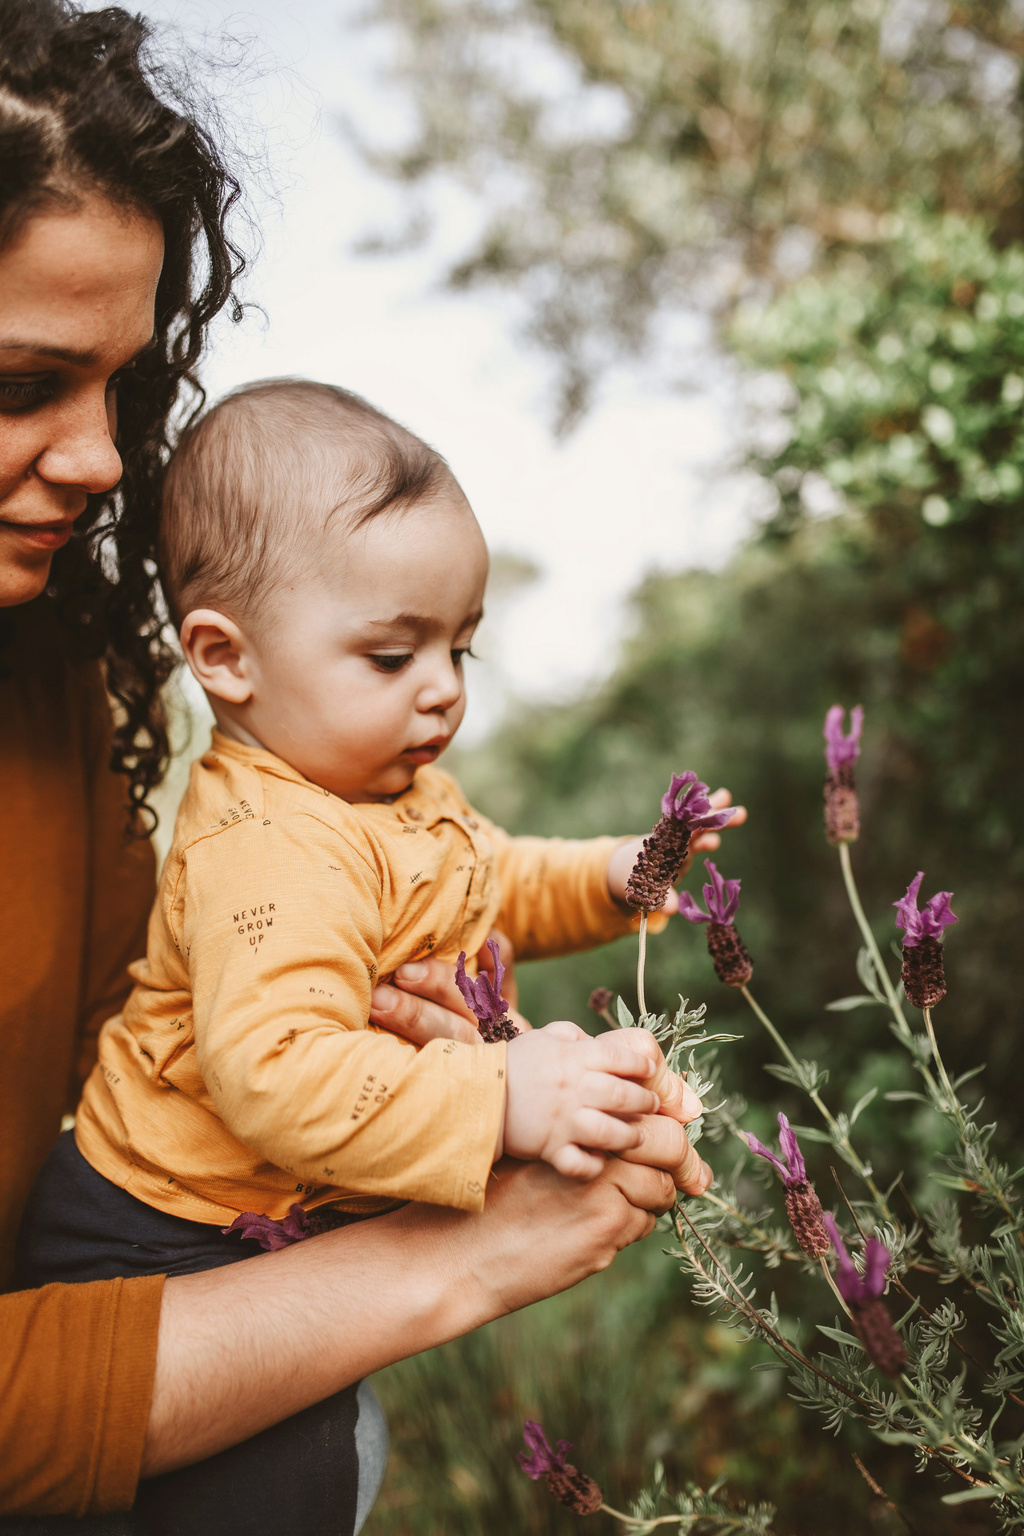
x=620, y=865
x=568, y=1092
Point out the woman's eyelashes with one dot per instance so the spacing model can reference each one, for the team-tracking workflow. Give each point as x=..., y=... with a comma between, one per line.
x=23, y=394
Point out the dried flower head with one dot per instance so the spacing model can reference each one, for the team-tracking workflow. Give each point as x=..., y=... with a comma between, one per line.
x=728, y=954
x=268, y=1233
x=685, y=808
x=483, y=997
x=569, y=1485
x=924, y=978
x=842, y=809
x=863, y=1295
x=601, y=1000
x=802, y=1204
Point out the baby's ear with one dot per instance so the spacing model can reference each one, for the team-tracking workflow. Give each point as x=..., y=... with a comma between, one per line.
x=218, y=655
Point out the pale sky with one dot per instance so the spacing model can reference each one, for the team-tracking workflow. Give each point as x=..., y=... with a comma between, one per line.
x=627, y=493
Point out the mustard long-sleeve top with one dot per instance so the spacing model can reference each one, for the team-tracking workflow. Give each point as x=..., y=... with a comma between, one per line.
x=76, y=1361
x=243, y=1074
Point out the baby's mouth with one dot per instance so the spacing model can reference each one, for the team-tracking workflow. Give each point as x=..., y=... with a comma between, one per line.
x=427, y=752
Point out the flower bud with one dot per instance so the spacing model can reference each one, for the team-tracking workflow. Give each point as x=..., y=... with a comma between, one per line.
x=882, y=1344
x=924, y=976
x=842, y=808
x=807, y=1219
x=575, y=1490
x=601, y=999
x=728, y=955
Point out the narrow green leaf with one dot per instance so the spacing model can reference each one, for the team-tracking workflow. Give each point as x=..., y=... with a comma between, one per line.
x=813, y=1134
x=844, y=1004
x=626, y=1020
x=862, y=1103
x=838, y=1335
x=972, y=1495
x=898, y=1095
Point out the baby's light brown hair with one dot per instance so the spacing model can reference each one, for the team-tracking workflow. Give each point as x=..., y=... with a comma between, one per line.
x=256, y=482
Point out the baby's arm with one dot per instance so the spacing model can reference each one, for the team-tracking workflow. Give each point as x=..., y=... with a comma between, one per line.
x=280, y=924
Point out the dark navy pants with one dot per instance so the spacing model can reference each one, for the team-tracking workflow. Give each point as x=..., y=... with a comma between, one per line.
x=298, y=1478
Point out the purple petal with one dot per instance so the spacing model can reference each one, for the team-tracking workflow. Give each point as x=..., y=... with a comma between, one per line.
x=722, y=897
x=270, y=1234
x=877, y=1259
x=907, y=916
x=542, y=1459
x=848, y=1282
x=791, y=1150
x=841, y=749
x=938, y=914
x=463, y=982
x=679, y=782
x=689, y=909
x=763, y=1151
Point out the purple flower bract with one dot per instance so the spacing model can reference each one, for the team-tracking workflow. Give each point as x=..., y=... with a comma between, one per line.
x=721, y=897
x=842, y=750
x=483, y=996
x=539, y=1459
x=686, y=800
x=794, y=1170
x=855, y=1289
x=271, y=1234
x=928, y=923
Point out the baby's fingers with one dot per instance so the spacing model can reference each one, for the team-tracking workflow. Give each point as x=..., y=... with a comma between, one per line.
x=573, y=1163
x=676, y=1097
x=616, y=1095
x=619, y=1054
x=603, y=1133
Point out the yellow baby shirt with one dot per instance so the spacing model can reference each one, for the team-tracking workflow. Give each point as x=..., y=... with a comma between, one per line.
x=242, y=1074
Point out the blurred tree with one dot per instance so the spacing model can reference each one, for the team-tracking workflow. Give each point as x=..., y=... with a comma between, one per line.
x=889, y=575
x=633, y=153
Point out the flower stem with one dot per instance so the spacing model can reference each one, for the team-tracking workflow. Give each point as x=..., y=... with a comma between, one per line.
x=641, y=961
x=842, y=1141
x=881, y=969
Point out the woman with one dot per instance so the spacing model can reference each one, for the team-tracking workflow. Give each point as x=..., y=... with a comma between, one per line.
x=113, y=261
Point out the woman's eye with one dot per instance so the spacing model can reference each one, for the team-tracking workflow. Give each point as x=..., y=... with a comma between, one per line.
x=390, y=663
x=119, y=377
x=22, y=394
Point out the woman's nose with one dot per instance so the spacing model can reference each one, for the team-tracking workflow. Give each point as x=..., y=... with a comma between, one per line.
x=81, y=450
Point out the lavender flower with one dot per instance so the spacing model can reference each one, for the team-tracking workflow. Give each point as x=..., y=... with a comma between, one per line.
x=802, y=1204
x=842, y=810
x=483, y=997
x=685, y=808
x=863, y=1295
x=728, y=953
x=570, y=1486
x=924, y=979
x=271, y=1234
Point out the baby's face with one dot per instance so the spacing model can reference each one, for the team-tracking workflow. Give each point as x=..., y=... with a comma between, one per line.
x=358, y=678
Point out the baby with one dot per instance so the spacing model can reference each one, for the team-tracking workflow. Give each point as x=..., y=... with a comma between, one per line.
x=328, y=576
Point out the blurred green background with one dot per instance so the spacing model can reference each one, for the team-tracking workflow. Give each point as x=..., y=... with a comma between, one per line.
x=836, y=184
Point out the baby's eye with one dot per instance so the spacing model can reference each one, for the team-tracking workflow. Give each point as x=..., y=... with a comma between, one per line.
x=458, y=655
x=391, y=663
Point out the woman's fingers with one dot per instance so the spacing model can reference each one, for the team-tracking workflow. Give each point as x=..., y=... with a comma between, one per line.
x=418, y=1018
x=645, y=1187
x=664, y=1144
x=677, y=1097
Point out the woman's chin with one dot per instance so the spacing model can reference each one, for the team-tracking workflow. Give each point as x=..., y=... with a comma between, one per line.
x=21, y=581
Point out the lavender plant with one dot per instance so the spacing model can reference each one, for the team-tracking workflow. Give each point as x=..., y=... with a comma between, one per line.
x=891, y=1361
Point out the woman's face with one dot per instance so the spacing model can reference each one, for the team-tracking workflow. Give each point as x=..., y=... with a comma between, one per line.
x=77, y=291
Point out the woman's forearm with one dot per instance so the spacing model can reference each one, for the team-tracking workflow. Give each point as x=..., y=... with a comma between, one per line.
x=250, y=1344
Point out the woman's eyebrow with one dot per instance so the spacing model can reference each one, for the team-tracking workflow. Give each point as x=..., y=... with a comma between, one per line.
x=81, y=359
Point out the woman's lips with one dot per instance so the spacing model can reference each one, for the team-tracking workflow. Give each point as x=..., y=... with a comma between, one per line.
x=40, y=535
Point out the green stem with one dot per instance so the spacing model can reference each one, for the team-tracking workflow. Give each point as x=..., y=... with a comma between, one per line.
x=641, y=961
x=820, y=1105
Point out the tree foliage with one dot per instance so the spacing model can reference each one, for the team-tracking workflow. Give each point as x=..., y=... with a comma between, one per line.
x=681, y=148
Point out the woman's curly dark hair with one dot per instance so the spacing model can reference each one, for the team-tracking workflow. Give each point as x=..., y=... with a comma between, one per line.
x=81, y=108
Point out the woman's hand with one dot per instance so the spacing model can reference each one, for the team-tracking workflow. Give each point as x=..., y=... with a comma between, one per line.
x=425, y=1004
x=620, y=865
